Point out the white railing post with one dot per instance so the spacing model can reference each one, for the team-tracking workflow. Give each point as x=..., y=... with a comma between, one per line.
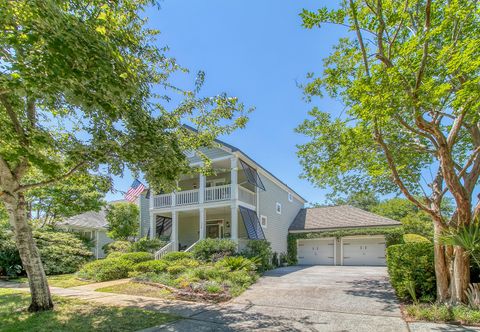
x=152, y=225
x=174, y=198
x=174, y=235
x=201, y=193
x=234, y=178
x=202, y=225
x=234, y=222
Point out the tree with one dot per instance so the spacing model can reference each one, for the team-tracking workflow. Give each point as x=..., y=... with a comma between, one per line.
x=413, y=219
x=122, y=220
x=408, y=75
x=79, y=193
x=84, y=87
x=365, y=200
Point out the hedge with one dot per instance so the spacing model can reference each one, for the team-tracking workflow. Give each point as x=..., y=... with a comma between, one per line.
x=60, y=252
x=214, y=249
x=411, y=268
x=393, y=235
x=106, y=269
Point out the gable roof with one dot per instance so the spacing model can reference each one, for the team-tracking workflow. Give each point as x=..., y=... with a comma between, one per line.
x=342, y=216
x=91, y=219
x=235, y=149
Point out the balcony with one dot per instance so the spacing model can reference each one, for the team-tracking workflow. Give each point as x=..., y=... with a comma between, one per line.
x=211, y=194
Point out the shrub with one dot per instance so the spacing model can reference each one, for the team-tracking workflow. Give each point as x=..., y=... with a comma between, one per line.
x=61, y=252
x=182, y=265
x=156, y=266
x=237, y=263
x=136, y=257
x=106, y=269
x=214, y=249
x=410, y=265
x=176, y=255
x=117, y=246
x=261, y=250
x=412, y=238
x=161, y=278
x=148, y=245
x=10, y=263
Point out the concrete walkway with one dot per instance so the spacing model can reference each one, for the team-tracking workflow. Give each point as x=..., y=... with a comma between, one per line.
x=315, y=298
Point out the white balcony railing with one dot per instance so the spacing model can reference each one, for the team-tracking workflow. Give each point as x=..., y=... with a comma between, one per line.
x=247, y=196
x=218, y=193
x=187, y=197
x=212, y=194
x=161, y=201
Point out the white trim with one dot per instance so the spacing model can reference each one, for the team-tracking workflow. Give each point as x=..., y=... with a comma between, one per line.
x=320, y=230
x=321, y=239
x=266, y=221
x=200, y=163
x=221, y=228
x=352, y=237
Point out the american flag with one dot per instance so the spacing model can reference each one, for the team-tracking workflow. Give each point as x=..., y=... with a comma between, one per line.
x=135, y=190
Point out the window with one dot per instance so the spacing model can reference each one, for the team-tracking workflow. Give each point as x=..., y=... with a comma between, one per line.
x=263, y=221
x=290, y=197
x=278, y=208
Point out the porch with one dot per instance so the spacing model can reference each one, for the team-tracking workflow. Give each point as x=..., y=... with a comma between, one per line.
x=226, y=184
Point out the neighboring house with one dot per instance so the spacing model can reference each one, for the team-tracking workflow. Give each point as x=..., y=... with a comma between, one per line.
x=346, y=250
x=90, y=225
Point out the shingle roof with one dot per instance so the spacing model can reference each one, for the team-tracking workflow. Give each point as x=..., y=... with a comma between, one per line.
x=331, y=217
x=91, y=219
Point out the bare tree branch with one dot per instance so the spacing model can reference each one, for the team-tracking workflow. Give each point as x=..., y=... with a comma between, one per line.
x=359, y=37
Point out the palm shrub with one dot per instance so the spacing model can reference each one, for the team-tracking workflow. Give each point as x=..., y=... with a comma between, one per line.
x=466, y=237
x=237, y=263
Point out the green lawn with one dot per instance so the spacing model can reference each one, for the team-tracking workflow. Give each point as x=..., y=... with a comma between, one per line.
x=135, y=288
x=62, y=280
x=442, y=313
x=72, y=315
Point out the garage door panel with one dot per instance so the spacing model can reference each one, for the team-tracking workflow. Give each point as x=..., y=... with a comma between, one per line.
x=316, y=252
x=364, y=251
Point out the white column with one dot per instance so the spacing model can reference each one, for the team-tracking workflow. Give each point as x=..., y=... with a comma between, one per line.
x=234, y=178
x=202, y=225
x=234, y=222
x=201, y=190
x=174, y=236
x=152, y=225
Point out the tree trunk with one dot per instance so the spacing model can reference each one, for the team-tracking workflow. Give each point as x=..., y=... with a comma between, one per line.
x=29, y=254
x=461, y=275
x=441, y=266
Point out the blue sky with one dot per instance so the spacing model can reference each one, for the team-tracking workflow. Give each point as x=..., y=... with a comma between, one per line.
x=257, y=51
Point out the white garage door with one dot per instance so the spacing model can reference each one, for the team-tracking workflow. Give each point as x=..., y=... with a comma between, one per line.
x=316, y=252
x=364, y=251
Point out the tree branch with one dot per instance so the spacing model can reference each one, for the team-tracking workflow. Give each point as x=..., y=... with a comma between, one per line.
x=396, y=177
x=51, y=181
x=423, y=62
x=13, y=117
x=359, y=37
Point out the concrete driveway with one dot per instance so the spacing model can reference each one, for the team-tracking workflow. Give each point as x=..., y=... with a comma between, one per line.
x=307, y=298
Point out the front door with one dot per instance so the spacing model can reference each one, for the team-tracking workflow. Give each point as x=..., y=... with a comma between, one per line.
x=213, y=231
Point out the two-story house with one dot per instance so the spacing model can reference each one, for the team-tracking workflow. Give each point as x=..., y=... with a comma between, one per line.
x=241, y=201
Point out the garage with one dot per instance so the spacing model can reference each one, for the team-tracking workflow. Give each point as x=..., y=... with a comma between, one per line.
x=363, y=250
x=316, y=251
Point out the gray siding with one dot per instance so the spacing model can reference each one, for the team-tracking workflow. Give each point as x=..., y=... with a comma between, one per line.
x=211, y=153
x=277, y=224
x=103, y=239
x=144, y=215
